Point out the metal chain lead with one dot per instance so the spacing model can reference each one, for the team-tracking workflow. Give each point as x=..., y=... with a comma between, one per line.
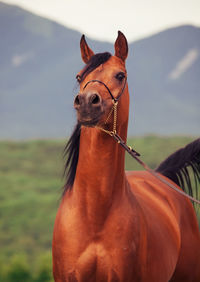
x=110, y=113
x=114, y=111
x=115, y=117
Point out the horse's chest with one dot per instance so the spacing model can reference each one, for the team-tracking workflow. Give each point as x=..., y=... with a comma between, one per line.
x=95, y=261
x=95, y=264
x=98, y=264
x=80, y=255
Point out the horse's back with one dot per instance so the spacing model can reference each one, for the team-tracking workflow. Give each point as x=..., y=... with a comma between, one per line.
x=172, y=221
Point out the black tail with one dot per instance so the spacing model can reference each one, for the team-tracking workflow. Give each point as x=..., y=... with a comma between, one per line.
x=178, y=166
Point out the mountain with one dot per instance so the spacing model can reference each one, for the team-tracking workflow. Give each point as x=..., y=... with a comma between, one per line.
x=165, y=70
x=39, y=61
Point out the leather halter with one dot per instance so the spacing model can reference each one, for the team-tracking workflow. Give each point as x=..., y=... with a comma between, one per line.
x=130, y=150
x=113, y=109
x=113, y=98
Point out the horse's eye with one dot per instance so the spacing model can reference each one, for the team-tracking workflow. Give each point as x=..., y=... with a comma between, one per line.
x=78, y=78
x=120, y=76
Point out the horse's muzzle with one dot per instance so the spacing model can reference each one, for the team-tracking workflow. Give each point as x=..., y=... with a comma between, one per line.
x=89, y=108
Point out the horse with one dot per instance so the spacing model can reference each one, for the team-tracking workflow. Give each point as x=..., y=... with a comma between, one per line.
x=114, y=225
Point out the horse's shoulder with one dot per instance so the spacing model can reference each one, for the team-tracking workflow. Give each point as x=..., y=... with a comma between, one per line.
x=155, y=197
x=145, y=183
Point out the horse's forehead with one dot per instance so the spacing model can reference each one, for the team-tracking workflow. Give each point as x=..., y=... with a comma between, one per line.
x=115, y=62
x=112, y=65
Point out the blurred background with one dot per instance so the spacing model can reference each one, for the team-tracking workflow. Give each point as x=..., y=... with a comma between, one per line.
x=39, y=59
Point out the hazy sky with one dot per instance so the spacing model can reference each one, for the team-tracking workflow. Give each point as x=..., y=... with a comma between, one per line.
x=100, y=19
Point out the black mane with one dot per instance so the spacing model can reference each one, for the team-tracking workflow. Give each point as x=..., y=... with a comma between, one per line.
x=178, y=166
x=71, y=150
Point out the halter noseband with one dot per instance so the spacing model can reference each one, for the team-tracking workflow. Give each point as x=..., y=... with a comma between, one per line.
x=99, y=81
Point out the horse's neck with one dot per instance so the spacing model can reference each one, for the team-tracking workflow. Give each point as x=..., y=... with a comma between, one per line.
x=100, y=175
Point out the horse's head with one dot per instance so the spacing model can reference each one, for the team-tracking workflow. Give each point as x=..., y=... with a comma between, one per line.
x=103, y=83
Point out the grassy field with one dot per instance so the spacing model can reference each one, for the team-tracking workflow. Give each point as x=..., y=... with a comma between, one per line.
x=30, y=189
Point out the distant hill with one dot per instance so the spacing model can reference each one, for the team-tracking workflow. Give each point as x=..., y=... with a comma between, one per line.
x=40, y=58
x=165, y=72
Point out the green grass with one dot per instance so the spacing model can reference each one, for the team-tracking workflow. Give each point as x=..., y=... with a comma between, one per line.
x=30, y=189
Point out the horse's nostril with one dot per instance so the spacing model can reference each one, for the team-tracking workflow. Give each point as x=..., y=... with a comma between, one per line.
x=77, y=101
x=95, y=99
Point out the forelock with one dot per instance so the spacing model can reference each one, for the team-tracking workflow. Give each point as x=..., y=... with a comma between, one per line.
x=95, y=61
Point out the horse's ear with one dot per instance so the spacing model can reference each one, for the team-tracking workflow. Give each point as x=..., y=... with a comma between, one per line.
x=121, y=46
x=86, y=52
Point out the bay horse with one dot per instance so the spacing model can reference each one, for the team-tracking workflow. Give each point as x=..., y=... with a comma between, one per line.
x=114, y=225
